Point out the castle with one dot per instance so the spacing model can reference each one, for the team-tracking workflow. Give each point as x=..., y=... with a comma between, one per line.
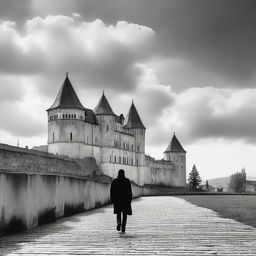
x=114, y=141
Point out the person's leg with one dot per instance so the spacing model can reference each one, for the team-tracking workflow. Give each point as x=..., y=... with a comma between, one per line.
x=124, y=221
x=118, y=220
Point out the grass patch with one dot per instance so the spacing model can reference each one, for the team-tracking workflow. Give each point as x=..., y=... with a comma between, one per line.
x=241, y=208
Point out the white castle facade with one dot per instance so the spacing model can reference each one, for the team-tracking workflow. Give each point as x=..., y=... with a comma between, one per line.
x=116, y=142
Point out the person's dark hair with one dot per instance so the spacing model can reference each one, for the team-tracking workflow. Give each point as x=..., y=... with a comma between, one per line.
x=121, y=173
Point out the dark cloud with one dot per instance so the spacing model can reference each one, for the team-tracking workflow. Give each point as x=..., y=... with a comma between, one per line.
x=95, y=53
x=200, y=113
x=217, y=37
x=15, y=10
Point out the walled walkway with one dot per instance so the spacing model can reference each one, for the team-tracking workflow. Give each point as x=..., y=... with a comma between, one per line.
x=159, y=226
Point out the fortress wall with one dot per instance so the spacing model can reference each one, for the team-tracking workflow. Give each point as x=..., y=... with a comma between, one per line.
x=15, y=159
x=28, y=200
x=111, y=169
x=158, y=172
x=46, y=190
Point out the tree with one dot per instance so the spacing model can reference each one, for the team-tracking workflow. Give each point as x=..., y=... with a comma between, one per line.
x=237, y=182
x=207, y=186
x=194, y=178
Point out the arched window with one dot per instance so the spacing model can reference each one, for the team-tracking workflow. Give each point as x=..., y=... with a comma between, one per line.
x=69, y=116
x=120, y=159
x=75, y=116
x=72, y=116
x=137, y=162
x=115, y=159
x=66, y=116
x=70, y=136
x=53, y=137
x=107, y=127
x=123, y=160
x=132, y=147
x=132, y=161
x=63, y=116
x=110, y=159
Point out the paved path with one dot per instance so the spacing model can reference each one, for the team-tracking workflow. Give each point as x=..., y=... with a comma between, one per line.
x=159, y=226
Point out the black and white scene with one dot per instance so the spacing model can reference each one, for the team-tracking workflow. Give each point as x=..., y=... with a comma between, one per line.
x=127, y=127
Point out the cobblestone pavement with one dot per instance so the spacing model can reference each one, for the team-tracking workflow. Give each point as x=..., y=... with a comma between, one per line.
x=159, y=226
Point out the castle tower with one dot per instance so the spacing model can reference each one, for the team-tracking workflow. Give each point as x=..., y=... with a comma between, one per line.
x=135, y=125
x=176, y=154
x=66, y=123
x=106, y=119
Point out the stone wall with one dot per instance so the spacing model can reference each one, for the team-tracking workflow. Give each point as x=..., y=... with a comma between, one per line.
x=28, y=200
x=21, y=160
x=37, y=188
x=165, y=173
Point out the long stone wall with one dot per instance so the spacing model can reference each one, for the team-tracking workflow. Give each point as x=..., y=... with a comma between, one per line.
x=163, y=173
x=37, y=188
x=28, y=200
x=22, y=160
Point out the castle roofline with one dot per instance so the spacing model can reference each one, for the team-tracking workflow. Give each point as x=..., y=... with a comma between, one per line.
x=132, y=120
x=67, y=97
x=103, y=107
x=175, y=146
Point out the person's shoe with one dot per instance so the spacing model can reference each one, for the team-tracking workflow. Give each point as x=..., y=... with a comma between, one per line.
x=118, y=227
x=123, y=229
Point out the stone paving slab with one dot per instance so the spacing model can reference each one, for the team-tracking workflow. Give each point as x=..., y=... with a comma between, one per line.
x=159, y=226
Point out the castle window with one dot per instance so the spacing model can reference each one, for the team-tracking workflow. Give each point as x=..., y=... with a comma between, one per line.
x=70, y=136
x=53, y=137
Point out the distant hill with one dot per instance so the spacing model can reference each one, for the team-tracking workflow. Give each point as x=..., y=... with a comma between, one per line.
x=223, y=181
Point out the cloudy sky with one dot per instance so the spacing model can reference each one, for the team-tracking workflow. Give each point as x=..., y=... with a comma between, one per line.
x=189, y=65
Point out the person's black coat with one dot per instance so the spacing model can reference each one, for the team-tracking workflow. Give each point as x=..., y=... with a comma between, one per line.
x=121, y=195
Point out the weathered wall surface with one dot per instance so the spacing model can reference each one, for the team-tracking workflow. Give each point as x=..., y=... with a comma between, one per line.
x=14, y=159
x=28, y=200
x=159, y=172
x=37, y=188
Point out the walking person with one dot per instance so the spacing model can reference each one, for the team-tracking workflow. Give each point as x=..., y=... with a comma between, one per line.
x=121, y=197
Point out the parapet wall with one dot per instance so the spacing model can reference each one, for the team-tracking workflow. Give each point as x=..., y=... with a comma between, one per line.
x=37, y=188
x=28, y=200
x=21, y=160
x=162, y=173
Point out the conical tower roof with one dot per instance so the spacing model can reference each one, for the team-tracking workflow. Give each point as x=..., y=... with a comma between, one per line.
x=103, y=107
x=67, y=97
x=132, y=119
x=174, y=146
